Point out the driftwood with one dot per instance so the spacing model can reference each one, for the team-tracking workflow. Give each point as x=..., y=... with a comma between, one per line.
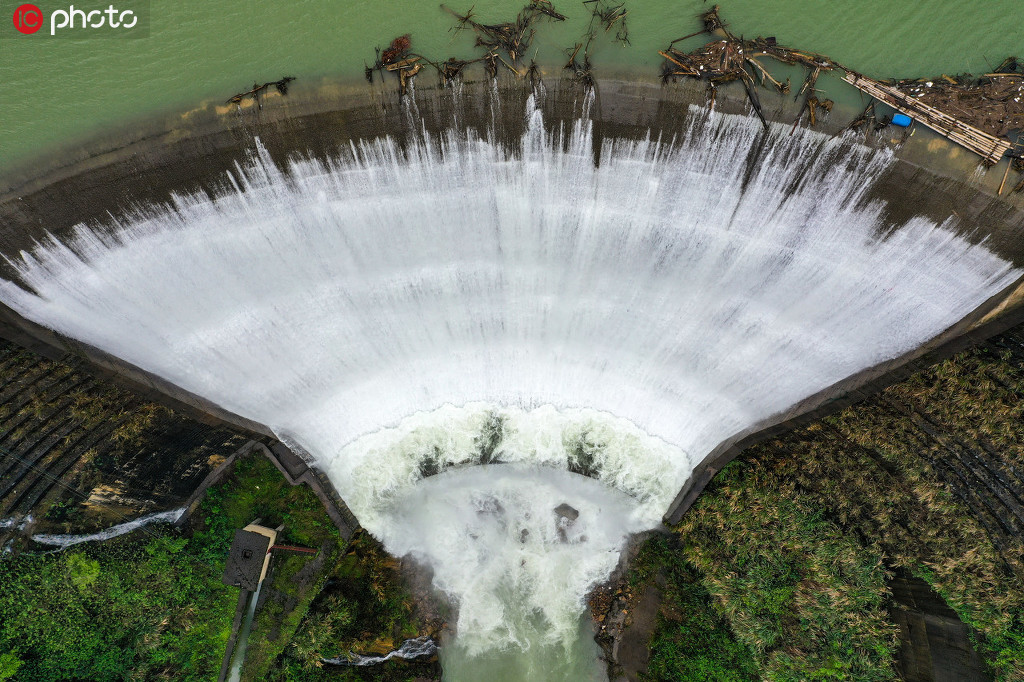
x=513, y=37
x=603, y=15
x=257, y=89
x=726, y=60
x=986, y=107
x=533, y=73
x=504, y=44
x=993, y=102
x=580, y=68
x=734, y=58
x=607, y=15
x=866, y=117
x=399, y=60
x=974, y=112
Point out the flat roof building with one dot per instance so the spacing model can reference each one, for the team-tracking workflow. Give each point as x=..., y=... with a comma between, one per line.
x=249, y=557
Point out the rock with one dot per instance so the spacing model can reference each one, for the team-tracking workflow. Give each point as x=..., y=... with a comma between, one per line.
x=566, y=512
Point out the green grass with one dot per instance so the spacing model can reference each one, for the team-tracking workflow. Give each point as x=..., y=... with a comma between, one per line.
x=365, y=609
x=806, y=599
x=692, y=642
x=287, y=603
x=149, y=605
x=137, y=608
x=793, y=539
x=257, y=490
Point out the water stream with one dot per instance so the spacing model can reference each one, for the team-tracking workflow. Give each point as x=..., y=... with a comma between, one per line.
x=238, y=658
x=403, y=314
x=411, y=649
x=64, y=541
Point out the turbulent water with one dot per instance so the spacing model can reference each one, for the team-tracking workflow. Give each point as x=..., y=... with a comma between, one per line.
x=401, y=313
x=535, y=539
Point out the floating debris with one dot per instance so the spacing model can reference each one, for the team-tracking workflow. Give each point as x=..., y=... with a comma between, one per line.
x=973, y=112
x=732, y=59
x=396, y=58
x=504, y=43
x=989, y=147
x=533, y=73
x=280, y=85
x=727, y=60
x=398, y=48
x=993, y=102
x=609, y=16
x=513, y=37
x=581, y=70
x=451, y=69
x=605, y=15
x=866, y=118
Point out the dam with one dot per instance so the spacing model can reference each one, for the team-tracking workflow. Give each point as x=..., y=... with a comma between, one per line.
x=527, y=281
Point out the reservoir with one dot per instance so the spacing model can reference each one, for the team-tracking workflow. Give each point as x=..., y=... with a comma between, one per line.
x=59, y=90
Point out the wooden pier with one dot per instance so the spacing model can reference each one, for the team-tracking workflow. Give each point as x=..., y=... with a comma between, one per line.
x=989, y=147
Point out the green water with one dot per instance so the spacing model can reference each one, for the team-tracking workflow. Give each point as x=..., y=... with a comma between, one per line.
x=541, y=661
x=54, y=91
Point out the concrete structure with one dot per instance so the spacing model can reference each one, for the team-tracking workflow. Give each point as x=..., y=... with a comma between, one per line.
x=246, y=568
x=295, y=470
x=249, y=557
x=935, y=644
x=105, y=178
x=839, y=396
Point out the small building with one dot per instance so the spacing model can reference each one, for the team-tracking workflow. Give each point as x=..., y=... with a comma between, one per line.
x=249, y=557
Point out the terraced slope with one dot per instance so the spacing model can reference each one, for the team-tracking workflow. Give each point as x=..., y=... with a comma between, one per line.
x=925, y=479
x=77, y=453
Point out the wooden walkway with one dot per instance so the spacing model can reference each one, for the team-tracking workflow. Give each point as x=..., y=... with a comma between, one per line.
x=988, y=147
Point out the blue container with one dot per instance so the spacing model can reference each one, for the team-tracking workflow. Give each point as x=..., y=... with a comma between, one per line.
x=901, y=120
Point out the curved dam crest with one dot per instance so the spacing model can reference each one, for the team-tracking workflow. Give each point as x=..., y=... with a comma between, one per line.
x=394, y=310
x=666, y=286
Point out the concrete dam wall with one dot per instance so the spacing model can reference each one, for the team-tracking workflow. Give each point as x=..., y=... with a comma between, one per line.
x=109, y=187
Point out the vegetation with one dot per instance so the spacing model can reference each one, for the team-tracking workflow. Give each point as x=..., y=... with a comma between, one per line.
x=364, y=609
x=125, y=609
x=796, y=539
x=805, y=598
x=693, y=642
x=70, y=447
x=778, y=572
x=258, y=491
x=942, y=489
x=94, y=407
x=150, y=605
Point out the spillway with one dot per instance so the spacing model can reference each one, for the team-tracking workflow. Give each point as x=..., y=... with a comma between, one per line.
x=405, y=309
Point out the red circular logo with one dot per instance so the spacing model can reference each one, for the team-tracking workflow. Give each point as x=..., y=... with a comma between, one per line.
x=28, y=18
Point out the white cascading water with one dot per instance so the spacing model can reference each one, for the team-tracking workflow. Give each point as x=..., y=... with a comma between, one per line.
x=398, y=313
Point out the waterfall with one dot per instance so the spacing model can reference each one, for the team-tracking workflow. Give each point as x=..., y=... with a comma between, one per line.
x=401, y=311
